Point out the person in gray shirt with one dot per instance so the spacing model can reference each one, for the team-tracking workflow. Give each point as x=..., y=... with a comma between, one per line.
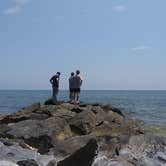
x=71, y=87
x=77, y=83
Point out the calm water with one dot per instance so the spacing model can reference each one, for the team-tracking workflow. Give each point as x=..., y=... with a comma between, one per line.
x=150, y=106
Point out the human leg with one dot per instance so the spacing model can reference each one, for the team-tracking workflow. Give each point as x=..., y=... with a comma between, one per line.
x=55, y=92
x=74, y=96
x=71, y=95
x=77, y=97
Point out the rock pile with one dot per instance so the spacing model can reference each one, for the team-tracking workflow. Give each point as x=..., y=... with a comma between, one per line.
x=64, y=134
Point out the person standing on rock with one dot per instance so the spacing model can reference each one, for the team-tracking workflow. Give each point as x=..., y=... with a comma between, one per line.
x=77, y=83
x=55, y=85
x=71, y=87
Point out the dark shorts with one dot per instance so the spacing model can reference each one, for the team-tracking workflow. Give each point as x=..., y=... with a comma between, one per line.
x=77, y=90
x=71, y=90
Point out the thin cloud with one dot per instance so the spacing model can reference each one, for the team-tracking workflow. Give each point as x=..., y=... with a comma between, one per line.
x=20, y=2
x=12, y=10
x=16, y=8
x=140, y=48
x=120, y=8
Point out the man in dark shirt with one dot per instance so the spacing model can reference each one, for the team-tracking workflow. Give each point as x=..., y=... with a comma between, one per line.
x=55, y=85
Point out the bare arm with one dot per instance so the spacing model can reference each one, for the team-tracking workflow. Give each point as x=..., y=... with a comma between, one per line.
x=81, y=80
x=51, y=80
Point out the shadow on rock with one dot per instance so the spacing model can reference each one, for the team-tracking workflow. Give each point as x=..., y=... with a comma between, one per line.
x=82, y=157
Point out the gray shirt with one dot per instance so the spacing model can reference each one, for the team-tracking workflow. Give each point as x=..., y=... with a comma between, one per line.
x=71, y=82
x=77, y=82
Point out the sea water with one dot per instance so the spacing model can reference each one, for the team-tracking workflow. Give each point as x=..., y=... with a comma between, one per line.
x=149, y=106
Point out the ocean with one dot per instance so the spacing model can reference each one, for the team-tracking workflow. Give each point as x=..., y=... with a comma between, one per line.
x=149, y=106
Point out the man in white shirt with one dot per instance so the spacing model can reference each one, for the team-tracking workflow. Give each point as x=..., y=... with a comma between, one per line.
x=77, y=83
x=71, y=87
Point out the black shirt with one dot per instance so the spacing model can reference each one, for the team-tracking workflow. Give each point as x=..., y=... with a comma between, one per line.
x=55, y=81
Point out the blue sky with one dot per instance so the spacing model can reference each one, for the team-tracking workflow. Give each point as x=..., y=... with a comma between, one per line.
x=117, y=44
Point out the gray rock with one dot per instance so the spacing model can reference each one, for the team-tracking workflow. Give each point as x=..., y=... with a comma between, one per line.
x=52, y=102
x=16, y=153
x=64, y=130
x=52, y=163
x=27, y=163
x=147, y=161
x=62, y=113
x=161, y=156
x=7, y=163
x=22, y=115
x=83, y=156
x=84, y=122
x=102, y=160
x=41, y=134
x=70, y=146
x=138, y=140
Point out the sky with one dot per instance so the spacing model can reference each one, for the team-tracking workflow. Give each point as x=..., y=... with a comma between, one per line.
x=116, y=44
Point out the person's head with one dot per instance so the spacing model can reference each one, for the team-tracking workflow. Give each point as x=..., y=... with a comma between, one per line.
x=77, y=72
x=58, y=73
x=72, y=74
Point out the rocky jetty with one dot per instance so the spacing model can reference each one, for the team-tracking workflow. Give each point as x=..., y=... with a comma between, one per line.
x=64, y=134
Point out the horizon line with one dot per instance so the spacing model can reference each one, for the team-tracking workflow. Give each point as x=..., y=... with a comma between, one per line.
x=85, y=90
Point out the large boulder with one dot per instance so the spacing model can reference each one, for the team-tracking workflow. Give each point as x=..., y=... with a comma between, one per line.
x=83, y=156
x=41, y=134
x=50, y=102
x=109, y=107
x=83, y=123
x=15, y=153
x=53, y=102
x=67, y=131
x=64, y=114
x=70, y=146
x=115, y=117
x=26, y=113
